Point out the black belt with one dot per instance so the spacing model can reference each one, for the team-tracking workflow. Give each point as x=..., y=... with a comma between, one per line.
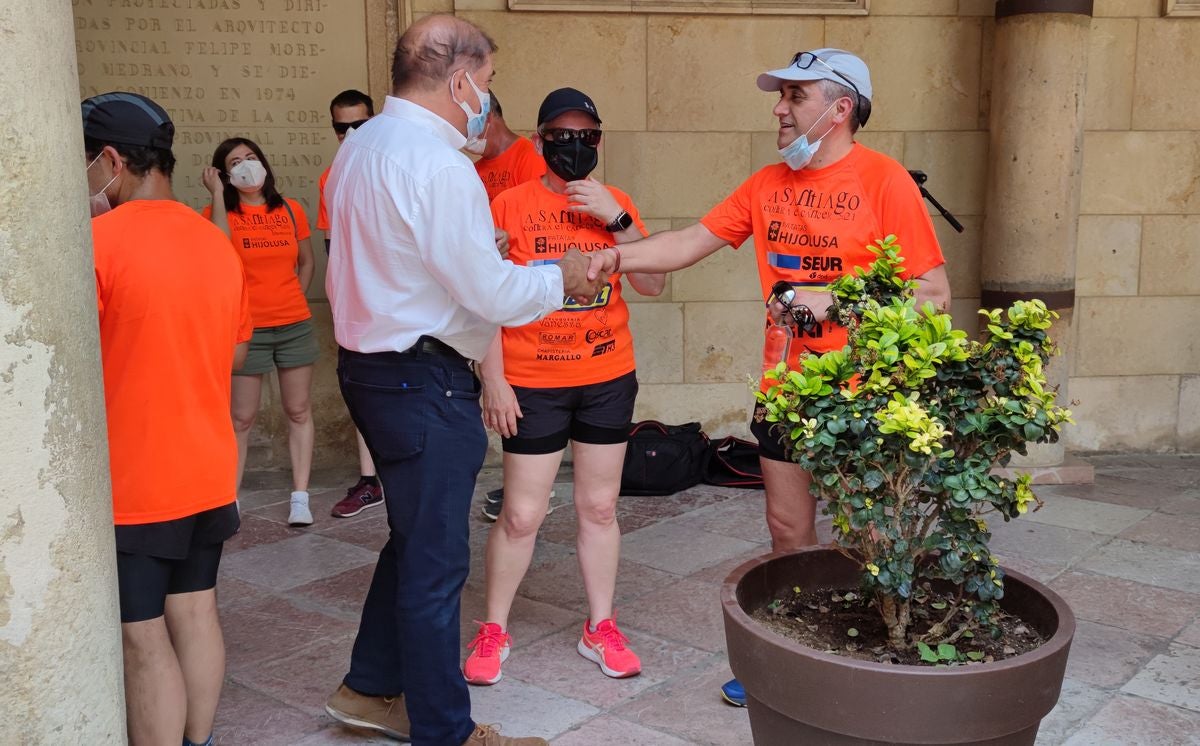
x=431, y=346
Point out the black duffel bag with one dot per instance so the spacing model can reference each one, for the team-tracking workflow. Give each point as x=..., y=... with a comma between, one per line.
x=733, y=462
x=663, y=459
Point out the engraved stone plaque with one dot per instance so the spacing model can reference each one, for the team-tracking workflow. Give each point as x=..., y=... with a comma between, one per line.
x=262, y=69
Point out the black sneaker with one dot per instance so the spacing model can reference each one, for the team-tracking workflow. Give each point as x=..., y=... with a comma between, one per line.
x=494, y=500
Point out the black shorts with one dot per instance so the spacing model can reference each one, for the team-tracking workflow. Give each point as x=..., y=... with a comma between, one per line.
x=155, y=560
x=598, y=413
x=771, y=436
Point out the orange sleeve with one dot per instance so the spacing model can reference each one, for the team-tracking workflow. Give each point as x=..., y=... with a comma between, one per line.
x=904, y=214
x=206, y=212
x=322, y=213
x=733, y=219
x=245, y=322
x=302, y=229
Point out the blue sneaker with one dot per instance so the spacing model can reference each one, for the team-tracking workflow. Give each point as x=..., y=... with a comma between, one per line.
x=733, y=693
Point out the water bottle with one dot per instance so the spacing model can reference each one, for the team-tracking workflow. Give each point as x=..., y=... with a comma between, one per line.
x=779, y=341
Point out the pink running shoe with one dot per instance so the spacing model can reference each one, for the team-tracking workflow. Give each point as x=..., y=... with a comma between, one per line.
x=489, y=649
x=606, y=648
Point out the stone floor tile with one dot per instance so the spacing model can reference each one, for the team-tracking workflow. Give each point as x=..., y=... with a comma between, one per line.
x=341, y=595
x=245, y=716
x=1043, y=572
x=1172, y=678
x=743, y=517
x=1180, y=471
x=1125, y=604
x=669, y=506
x=690, y=708
x=1118, y=490
x=528, y=621
x=522, y=709
x=1078, y=702
x=680, y=550
x=561, y=583
x=296, y=561
x=368, y=530
x=1087, y=515
x=304, y=680
x=340, y=735
x=276, y=628
x=607, y=729
x=256, y=531
x=1132, y=721
x=544, y=552
x=686, y=611
x=1175, y=531
x=1186, y=504
x=1191, y=635
x=1108, y=657
x=1045, y=544
x=253, y=499
x=717, y=574
x=1146, y=563
x=554, y=663
x=233, y=593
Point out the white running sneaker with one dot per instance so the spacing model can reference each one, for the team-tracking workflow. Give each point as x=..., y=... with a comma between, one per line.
x=299, y=515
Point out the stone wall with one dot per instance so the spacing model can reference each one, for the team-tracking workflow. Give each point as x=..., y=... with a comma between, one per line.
x=685, y=125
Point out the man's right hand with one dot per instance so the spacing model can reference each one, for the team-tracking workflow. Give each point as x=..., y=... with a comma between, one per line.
x=576, y=281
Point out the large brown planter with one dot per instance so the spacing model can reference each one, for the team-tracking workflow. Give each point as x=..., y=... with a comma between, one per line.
x=803, y=697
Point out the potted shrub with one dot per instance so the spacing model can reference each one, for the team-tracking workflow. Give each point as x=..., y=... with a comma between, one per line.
x=901, y=431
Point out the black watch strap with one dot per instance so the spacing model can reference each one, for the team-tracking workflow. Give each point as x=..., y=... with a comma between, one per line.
x=620, y=222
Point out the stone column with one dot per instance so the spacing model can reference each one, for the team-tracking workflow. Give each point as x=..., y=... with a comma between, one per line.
x=60, y=637
x=1033, y=188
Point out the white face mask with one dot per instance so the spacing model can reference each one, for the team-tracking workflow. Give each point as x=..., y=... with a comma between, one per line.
x=799, y=152
x=248, y=175
x=98, y=203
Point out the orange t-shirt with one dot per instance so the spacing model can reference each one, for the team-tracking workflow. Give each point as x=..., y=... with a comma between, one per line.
x=173, y=304
x=518, y=164
x=269, y=246
x=322, y=213
x=811, y=227
x=581, y=344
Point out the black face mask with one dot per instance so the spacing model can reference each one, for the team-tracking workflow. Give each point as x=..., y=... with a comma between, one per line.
x=570, y=162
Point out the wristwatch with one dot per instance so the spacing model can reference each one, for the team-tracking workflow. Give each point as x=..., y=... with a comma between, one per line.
x=622, y=221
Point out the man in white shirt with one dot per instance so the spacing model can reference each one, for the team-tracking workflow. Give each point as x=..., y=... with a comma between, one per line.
x=418, y=291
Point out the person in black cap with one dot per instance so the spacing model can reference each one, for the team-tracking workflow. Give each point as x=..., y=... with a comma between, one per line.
x=569, y=377
x=174, y=322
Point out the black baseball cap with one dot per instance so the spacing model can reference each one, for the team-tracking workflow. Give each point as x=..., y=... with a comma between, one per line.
x=127, y=119
x=564, y=100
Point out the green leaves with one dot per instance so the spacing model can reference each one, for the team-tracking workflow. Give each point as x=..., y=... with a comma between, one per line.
x=902, y=427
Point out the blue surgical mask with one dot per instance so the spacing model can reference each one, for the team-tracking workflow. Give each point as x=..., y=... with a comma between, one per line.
x=476, y=123
x=799, y=152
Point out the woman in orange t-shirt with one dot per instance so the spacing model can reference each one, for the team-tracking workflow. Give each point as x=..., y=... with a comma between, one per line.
x=271, y=235
x=567, y=377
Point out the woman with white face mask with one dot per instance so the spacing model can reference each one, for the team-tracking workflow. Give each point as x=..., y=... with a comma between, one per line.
x=271, y=234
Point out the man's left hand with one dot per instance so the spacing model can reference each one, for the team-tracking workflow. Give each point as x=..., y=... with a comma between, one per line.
x=502, y=242
x=593, y=198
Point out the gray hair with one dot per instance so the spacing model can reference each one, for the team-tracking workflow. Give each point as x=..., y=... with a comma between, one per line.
x=862, y=109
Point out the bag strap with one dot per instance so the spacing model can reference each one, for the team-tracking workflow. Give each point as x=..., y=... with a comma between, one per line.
x=292, y=215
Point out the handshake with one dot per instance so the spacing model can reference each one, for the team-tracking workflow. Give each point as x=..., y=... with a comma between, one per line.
x=584, y=276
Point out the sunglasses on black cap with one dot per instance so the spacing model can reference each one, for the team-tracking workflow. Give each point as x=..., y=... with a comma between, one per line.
x=343, y=127
x=565, y=136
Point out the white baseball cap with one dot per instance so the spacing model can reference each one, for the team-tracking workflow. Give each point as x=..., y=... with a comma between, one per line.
x=837, y=65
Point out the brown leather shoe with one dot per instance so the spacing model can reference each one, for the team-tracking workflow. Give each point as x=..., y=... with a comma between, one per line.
x=385, y=715
x=486, y=735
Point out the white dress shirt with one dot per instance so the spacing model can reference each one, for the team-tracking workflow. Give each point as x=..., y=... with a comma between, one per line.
x=413, y=250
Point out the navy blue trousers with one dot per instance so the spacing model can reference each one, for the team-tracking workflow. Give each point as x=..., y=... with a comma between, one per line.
x=419, y=415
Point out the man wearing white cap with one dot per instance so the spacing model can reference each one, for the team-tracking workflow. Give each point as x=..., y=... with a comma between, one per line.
x=812, y=217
